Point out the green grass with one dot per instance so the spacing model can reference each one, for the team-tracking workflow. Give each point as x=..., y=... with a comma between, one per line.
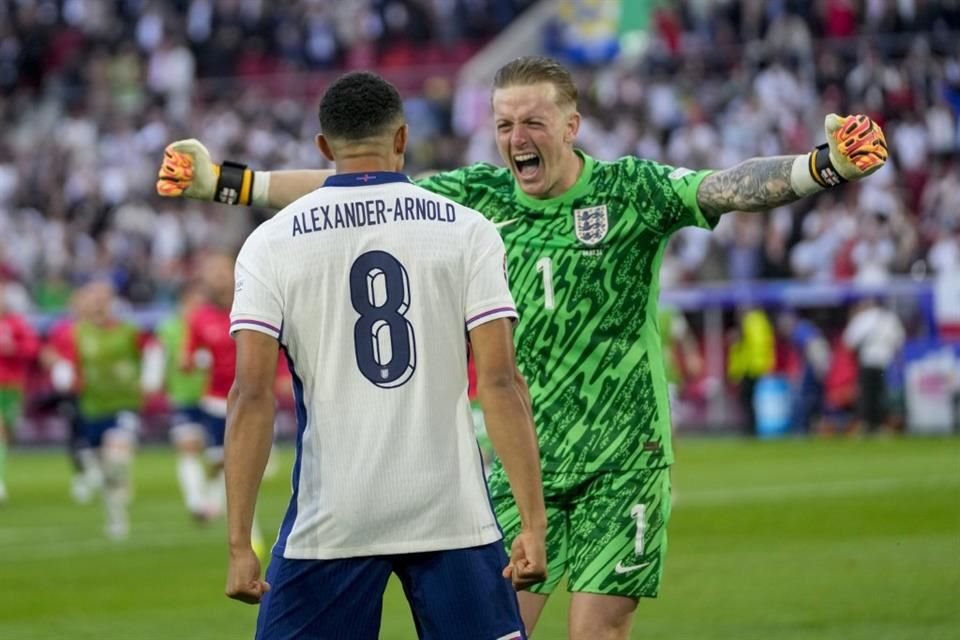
x=787, y=540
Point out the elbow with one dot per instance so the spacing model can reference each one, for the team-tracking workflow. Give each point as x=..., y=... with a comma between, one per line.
x=248, y=396
x=500, y=381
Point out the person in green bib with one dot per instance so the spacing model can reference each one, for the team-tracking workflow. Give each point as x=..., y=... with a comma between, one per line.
x=106, y=354
x=584, y=242
x=184, y=388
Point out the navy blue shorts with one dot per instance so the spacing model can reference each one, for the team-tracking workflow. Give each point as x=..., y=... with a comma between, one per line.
x=459, y=593
x=187, y=415
x=94, y=428
x=215, y=426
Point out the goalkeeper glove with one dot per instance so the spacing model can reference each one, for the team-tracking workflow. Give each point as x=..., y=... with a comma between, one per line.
x=854, y=149
x=187, y=170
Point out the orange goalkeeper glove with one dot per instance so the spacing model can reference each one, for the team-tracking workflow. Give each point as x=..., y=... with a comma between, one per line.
x=187, y=170
x=854, y=149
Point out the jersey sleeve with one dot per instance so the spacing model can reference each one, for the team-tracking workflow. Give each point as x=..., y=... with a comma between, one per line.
x=481, y=187
x=257, y=304
x=667, y=196
x=488, y=295
x=450, y=184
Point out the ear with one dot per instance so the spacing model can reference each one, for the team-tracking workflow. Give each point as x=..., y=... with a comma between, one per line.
x=324, y=145
x=573, y=127
x=400, y=140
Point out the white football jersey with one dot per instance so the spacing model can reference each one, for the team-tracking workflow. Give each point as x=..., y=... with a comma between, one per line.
x=370, y=284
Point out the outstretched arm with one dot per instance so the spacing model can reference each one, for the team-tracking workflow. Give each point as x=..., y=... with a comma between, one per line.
x=287, y=186
x=187, y=170
x=855, y=148
x=758, y=184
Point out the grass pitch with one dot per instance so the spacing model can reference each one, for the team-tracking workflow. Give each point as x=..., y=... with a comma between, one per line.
x=786, y=540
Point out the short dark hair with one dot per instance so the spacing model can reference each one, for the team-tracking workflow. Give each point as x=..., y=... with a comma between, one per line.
x=534, y=70
x=359, y=105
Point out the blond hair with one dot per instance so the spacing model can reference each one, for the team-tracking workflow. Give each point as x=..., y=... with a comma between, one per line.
x=535, y=70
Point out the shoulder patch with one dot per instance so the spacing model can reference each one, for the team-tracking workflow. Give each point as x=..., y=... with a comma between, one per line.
x=680, y=173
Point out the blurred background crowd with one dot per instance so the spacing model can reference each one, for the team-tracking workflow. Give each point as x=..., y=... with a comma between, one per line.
x=92, y=90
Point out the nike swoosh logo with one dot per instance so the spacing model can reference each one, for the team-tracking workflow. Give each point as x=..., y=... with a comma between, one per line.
x=500, y=225
x=621, y=568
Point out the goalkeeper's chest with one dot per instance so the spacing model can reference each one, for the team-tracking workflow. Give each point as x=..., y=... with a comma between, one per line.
x=580, y=256
x=598, y=230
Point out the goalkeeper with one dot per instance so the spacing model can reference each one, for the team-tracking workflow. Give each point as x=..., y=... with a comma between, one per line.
x=584, y=241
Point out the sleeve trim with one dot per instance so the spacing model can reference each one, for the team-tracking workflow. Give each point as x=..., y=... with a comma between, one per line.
x=693, y=202
x=491, y=314
x=256, y=325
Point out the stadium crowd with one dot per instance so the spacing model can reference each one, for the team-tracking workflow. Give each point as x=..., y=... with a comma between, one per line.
x=92, y=91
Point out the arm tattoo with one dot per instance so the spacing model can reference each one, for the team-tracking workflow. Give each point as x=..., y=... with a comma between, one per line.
x=758, y=184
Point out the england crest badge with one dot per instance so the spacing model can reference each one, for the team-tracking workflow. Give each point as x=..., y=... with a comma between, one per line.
x=591, y=224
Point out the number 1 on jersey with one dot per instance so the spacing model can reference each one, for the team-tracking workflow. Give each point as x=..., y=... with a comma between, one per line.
x=383, y=337
x=545, y=267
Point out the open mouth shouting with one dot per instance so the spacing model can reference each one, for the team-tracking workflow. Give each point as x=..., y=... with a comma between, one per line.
x=527, y=166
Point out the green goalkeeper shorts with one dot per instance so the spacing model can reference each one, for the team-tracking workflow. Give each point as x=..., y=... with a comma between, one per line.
x=607, y=532
x=11, y=406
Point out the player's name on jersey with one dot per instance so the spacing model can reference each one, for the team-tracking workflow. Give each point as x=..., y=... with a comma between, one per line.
x=367, y=213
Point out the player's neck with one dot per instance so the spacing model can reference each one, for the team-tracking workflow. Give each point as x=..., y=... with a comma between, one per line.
x=367, y=163
x=575, y=166
x=572, y=168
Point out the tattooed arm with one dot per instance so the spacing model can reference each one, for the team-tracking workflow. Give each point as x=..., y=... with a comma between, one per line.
x=855, y=148
x=758, y=184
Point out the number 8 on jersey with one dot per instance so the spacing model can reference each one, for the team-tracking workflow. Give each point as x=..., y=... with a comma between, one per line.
x=383, y=337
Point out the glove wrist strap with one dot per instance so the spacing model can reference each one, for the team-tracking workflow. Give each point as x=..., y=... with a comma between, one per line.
x=822, y=169
x=235, y=184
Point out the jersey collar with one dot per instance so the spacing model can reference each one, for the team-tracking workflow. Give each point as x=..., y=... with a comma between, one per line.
x=579, y=188
x=364, y=179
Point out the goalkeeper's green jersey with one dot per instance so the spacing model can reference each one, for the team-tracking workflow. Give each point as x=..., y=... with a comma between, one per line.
x=583, y=268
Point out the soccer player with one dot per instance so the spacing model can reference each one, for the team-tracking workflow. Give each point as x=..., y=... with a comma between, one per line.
x=369, y=285
x=19, y=345
x=584, y=241
x=184, y=389
x=56, y=358
x=208, y=347
x=104, y=353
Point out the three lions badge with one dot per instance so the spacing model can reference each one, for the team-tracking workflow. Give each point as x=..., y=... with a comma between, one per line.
x=591, y=224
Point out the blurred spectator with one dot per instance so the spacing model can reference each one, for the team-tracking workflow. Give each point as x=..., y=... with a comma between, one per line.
x=814, y=353
x=944, y=254
x=876, y=334
x=681, y=353
x=752, y=355
x=944, y=259
x=824, y=230
x=874, y=252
